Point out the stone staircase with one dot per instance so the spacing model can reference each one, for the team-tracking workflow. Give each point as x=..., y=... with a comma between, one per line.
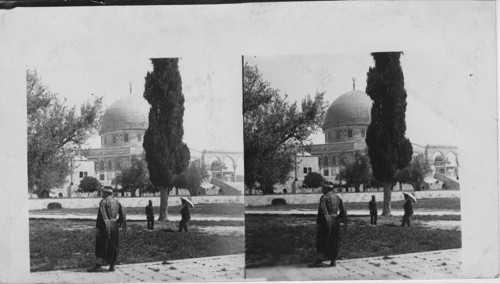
x=226, y=188
x=449, y=183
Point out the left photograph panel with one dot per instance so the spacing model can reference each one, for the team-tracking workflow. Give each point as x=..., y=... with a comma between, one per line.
x=130, y=177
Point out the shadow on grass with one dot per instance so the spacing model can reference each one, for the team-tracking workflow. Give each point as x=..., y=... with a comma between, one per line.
x=64, y=244
x=424, y=203
x=283, y=240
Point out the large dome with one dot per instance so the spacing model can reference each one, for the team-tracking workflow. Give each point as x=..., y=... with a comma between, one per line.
x=351, y=108
x=130, y=112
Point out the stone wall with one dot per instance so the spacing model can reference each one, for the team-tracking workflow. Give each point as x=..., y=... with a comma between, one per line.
x=261, y=200
x=91, y=202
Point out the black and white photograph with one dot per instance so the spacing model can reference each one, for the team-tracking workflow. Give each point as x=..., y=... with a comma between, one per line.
x=355, y=170
x=340, y=141
x=129, y=176
x=124, y=188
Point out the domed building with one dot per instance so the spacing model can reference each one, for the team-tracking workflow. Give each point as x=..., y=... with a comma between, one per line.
x=346, y=122
x=122, y=131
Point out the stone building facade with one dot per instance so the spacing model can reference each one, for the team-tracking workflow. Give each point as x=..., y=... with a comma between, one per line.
x=346, y=122
x=122, y=132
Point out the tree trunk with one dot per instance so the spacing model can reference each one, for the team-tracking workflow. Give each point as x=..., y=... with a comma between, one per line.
x=416, y=186
x=387, y=199
x=356, y=187
x=163, y=204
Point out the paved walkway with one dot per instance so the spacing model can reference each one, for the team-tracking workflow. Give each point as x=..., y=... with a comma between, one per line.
x=349, y=212
x=443, y=264
x=87, y=217
x=218, y=268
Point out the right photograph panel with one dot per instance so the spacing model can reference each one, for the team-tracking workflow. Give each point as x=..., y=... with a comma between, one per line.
x=351, y=167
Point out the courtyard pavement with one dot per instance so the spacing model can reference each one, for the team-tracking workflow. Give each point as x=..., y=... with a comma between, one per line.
x=207, y=269
x=444, y=264
x=171, y=217
x=349, y=212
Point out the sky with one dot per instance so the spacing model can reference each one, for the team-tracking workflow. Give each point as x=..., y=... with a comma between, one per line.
x=209, y=105
x=447, y=48
x=85, y=51
x=428, y=88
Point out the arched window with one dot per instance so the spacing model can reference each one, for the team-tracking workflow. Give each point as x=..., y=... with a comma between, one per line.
x=101, y=165
x=452, y=159
x=438, y=159
x=334, y=161
x=110, y=165
x=325, y=161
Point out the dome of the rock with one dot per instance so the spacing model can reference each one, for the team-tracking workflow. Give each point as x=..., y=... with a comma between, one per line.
x=127, y=113
x=351, y=108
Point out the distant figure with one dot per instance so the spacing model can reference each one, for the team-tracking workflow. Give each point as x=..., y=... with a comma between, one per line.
x=328, y=226
x=150, y=215
x=185, y=216
x=70, y=189
x=372, y=206
x=408, y=208
x=110, y=218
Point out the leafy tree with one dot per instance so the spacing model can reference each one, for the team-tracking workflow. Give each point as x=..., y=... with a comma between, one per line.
x=355, y=172
x=150, y=189
x=89, y=184
x=313, y=180
x=192, y=177
x=54, y=129
x=132, y=175
x=388, y=148
x=371, y=181
x=415, y=172
x=166, y=154
x=256, y=91
x=273, y=128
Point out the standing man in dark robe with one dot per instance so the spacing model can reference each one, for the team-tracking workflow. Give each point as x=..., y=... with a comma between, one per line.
x=185, y=215
x=330, y=211
x=150, y=215
x=110, y=218
x=408, y=208
x=372, y=206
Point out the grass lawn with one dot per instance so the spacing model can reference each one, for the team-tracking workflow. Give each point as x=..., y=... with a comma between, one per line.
x=221, y=209
x=425, y=203
x=282, y=240
x=64, y=244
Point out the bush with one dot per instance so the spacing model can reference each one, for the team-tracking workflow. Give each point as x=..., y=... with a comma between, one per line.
x=278, y=202
x=313, y=180
x=89, y=184
x=54, y=206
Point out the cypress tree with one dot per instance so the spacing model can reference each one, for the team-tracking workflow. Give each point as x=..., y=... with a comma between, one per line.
x=166, y=154
x=388, y=148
